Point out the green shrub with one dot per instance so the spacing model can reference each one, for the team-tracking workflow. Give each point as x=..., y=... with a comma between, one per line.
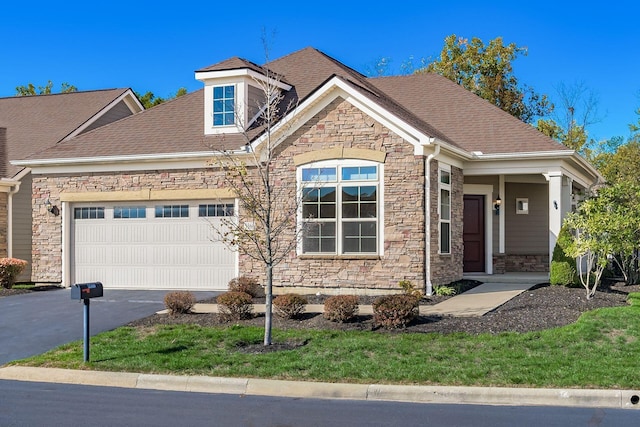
x=562, y=273
x=248, y=285
x=563, y=267
x=409, y=288
x=395, y=311
x=341, y=308
x=234, y=305
x=179, y=302
x=444, y=291
x=289, y=306
x=10, y=268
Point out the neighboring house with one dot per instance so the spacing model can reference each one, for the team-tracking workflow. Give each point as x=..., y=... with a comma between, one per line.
x=412, y=168
x=31, y=124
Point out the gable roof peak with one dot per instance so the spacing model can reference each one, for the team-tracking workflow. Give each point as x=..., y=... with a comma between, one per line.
x=233, y=63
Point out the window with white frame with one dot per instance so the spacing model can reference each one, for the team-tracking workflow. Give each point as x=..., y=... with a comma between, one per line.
x=340, y=207
x=444, y=208
x=172, y=211
x=129, y=212
x=218, y=209
x=89, y=213
x=224, y=104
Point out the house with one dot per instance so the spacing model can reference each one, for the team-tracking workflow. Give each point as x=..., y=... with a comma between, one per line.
x=421, y=180
x=31, y=124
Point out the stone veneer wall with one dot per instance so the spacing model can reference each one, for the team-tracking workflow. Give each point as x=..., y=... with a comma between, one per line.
x=447, y=268
x=342, y=125
x=499, y=263
x=338, y=125
x=4, y=199
x=527, y=263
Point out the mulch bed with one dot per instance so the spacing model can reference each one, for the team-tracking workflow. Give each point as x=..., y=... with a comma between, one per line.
x=542, y=307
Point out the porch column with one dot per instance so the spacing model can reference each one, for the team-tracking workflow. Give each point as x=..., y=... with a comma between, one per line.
x=567, y=191
x=559, y=205
x=501, y=218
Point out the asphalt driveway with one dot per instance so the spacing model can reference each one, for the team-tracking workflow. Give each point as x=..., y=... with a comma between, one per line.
x=33, y=323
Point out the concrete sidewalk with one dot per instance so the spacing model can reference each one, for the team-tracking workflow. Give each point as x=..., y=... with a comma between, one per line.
x=620, y=399
x=475, y=302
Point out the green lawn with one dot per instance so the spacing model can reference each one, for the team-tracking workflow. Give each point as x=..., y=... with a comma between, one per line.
x=601, y=350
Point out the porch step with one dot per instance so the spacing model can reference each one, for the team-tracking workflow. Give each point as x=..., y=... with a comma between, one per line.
x=523, y=278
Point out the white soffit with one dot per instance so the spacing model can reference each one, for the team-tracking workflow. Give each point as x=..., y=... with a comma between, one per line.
x=198, y=160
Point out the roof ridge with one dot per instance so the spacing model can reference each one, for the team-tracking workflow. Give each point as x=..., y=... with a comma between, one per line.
x=77, y=92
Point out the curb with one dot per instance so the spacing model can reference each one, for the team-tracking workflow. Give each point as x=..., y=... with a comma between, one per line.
x=620, y=399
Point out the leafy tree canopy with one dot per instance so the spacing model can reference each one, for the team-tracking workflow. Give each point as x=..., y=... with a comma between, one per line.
x=47, y=89
x=149, y=100
x=487, y=71
x=619, y=161
x=574, y=137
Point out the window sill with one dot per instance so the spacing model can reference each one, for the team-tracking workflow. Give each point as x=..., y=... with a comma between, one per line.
x=341, y=257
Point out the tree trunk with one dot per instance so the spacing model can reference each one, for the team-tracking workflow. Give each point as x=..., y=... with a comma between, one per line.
x=268, y=306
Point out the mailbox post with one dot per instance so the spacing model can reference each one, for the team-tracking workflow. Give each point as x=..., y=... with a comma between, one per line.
x=84, y=292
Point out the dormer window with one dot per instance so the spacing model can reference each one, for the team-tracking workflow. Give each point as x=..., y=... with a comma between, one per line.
x=224, y=104
x=233, y=98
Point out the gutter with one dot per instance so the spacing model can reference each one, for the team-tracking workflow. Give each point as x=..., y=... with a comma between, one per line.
x=13, y=187
x=116, y=159
x=13, y=191
x=427, y=220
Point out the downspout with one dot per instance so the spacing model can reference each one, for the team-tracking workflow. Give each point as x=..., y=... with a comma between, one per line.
x=13, y=191
x=427, y=217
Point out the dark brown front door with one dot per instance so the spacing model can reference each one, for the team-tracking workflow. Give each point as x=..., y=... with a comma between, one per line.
x=473, y=234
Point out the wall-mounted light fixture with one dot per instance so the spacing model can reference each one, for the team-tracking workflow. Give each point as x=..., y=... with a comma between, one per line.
x=496, y=205
x=52, y=208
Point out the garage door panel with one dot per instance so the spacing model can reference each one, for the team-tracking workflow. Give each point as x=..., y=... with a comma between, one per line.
x=92, y=255
x=152, y=253
x=124, y=255
x=91, y=232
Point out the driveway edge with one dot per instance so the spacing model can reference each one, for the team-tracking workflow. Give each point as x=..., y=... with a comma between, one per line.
x=621, y=399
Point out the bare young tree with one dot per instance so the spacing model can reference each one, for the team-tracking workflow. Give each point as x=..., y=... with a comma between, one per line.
x=576, y=110
x=266, y=230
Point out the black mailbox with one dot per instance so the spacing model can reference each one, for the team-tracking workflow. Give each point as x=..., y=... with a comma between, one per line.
x=86, y=290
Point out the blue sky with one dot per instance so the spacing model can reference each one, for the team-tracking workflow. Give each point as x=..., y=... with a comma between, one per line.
x=151, y=46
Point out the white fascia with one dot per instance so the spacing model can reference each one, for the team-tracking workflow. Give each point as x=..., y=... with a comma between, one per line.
x=331, y=90
x=210, y=77
x=6, y=185
x=145, y=162
x=568, y=162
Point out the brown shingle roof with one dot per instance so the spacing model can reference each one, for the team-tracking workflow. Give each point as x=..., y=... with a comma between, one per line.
x=429, y=102
x=176, y=126
x=309, y=69
x=464, y=118
x=35, y=123
x=234, y=63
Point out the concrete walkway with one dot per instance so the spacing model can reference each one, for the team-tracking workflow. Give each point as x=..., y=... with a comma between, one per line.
x=475, y=302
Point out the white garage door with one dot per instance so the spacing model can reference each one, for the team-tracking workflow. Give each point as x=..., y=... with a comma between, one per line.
x=152, y=245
